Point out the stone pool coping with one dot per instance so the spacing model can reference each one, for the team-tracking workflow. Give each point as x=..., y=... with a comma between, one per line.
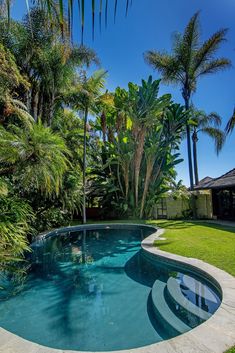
x=215, y=335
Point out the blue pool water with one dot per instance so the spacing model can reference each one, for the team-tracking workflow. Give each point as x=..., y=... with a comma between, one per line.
x=95, y=290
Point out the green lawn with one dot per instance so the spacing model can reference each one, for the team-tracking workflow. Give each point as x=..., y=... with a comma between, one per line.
x=212, y=243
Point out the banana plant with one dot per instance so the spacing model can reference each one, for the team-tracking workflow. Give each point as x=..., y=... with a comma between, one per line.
x=145, y=108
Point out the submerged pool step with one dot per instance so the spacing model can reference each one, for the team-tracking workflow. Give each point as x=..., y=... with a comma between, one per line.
x=175, y=293
x=196, y=287
x=163, y=311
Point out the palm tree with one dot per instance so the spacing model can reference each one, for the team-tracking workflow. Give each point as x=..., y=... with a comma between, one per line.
x=37, y=151
x=209, y=125
x=231, y=124
x=190, y=60
x=83, y=97
x=10, y=80
x=49, y=64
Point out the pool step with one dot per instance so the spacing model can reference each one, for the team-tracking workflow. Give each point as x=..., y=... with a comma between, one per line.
x=196, y=287
x=176, y=295
x=161, y=309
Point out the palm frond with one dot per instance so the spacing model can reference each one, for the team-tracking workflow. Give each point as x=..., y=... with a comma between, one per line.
x=166, y=64
x=213, y=66
x=189, y=43
x=202, y=119
x=231, y=124
x=207, y=51
x=63, y=16
x=217, y=135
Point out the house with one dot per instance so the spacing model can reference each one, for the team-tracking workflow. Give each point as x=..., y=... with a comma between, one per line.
x=222, y=193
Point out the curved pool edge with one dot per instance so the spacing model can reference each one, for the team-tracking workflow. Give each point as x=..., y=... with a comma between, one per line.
x=216, y=335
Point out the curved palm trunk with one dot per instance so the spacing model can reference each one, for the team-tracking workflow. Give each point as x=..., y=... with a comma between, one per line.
x=195, y=139
x=84, y=168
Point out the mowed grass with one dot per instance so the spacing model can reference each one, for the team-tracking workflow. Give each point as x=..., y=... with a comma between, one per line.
x=206, y=241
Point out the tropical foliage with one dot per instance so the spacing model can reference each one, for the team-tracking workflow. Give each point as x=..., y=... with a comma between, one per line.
x=140, y=137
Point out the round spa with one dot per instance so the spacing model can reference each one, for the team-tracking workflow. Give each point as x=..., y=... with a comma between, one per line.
x=92, y=288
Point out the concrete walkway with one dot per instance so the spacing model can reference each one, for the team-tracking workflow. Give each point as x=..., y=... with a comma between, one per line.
x=220, y=222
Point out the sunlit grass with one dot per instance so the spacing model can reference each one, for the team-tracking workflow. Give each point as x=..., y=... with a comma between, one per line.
x=209, y=242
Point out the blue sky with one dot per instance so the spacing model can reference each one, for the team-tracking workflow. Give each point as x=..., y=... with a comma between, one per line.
x=149, y=25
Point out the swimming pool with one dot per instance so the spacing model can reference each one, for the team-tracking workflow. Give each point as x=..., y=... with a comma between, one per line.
x=96, y=290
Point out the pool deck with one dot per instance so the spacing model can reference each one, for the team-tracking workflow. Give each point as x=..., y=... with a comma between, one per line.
x=215, y=335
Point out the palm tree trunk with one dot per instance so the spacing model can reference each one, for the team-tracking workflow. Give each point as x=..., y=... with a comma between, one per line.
x=195, y=139
x=137, y=161
x=84, y=167
x=146, y=185
x=190, y=164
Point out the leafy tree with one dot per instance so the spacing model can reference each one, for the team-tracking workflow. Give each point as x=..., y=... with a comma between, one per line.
x=190, y=60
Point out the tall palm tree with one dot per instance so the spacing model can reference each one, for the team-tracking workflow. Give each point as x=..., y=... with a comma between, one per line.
x=208, y=124
x=189, y=60
x=83, y=97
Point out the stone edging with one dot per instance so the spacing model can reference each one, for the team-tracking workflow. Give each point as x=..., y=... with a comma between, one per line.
x=215, y=335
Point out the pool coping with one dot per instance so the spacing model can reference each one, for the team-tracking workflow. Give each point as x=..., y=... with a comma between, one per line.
x=215, y=335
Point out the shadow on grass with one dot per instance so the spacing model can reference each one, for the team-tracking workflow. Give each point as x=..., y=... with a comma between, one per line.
x=174, y=224
x=217, y=226
x=183, y=224
x=163, y=243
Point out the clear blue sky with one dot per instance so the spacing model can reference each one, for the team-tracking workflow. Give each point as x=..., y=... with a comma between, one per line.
x=149, y=25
